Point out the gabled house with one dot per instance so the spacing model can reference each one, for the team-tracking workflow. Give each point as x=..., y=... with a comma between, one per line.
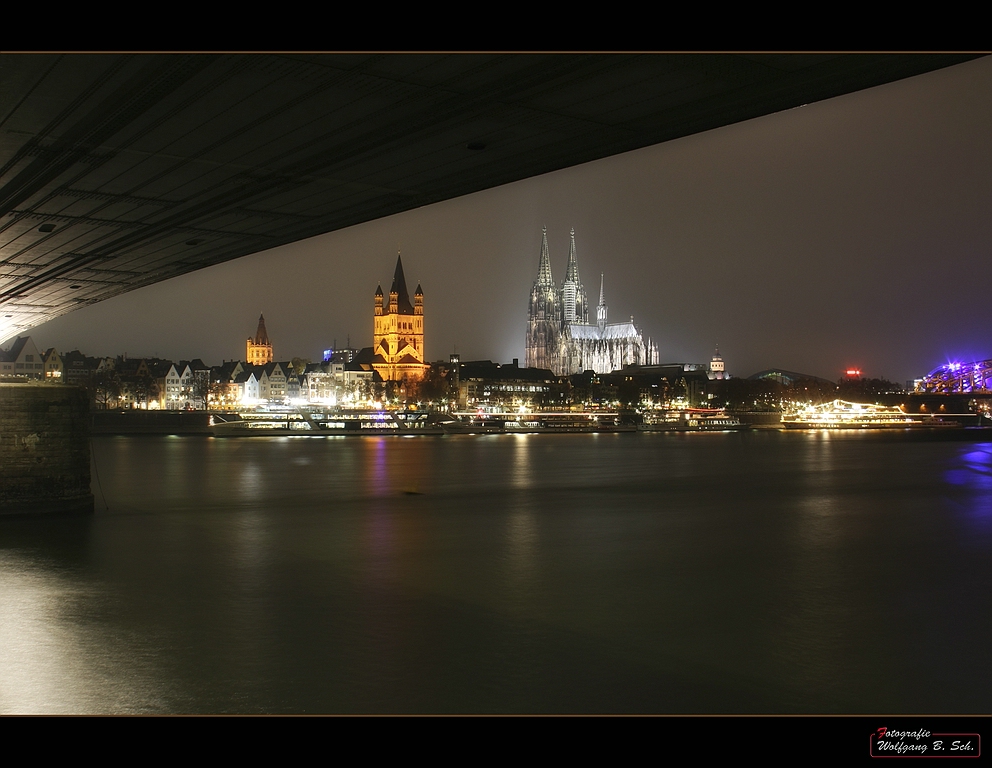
x=22, y=359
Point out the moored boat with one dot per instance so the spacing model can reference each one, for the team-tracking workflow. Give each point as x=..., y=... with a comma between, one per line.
x=306, y=422
x=842, y=414
x=693, y=420
x=562, y=421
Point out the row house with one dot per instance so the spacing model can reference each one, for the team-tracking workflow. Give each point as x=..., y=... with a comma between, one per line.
x=247, y=387
x=272, y=382
x=22, y=359
x=184, y=385
x=224, y=391
x=53, y=365
x=78, y=368
x=238, y=383
x=170, y=386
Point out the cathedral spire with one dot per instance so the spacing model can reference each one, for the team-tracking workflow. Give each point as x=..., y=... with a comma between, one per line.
x=601, y=309
x=544, y=270
x=575, y=305
x=572, y=273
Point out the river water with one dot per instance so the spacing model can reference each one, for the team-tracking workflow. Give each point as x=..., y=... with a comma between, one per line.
x=763, y=572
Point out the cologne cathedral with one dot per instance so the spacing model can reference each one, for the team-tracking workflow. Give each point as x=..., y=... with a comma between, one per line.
x=561, y=338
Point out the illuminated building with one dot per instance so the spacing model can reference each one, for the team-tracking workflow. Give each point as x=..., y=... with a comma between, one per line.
x=398, y=331
x=559, y=334
x=716, y=368
x=336, y=383
x=485, y=384
x=272, y=382
x=259, y=349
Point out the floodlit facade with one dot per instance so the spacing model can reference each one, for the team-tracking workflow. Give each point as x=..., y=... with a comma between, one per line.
x=716, y=368
x=559, y=334
x=398, y=331
x=336, y=384
x=259, y=349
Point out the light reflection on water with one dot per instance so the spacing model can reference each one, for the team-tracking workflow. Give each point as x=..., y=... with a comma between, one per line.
x=765, y=572
x=973, y=472
x=54, y=660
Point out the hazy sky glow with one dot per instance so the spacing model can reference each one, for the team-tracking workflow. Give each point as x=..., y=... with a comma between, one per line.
x=850, y=232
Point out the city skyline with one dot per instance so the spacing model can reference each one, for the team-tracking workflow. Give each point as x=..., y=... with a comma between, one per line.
x=812, y=240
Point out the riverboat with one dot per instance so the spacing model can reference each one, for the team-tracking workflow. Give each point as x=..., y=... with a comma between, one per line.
x=480, y=422
x=842, y=414
x=314, y=422
x=692, y=420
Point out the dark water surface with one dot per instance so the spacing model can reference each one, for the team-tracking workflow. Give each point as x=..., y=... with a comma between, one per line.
x=768, y=572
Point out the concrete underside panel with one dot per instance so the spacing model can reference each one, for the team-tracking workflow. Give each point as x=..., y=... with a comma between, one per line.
x=119, y=170
x=44, y=449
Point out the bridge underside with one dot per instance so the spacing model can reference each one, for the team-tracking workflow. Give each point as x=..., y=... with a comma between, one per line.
x=117, y=171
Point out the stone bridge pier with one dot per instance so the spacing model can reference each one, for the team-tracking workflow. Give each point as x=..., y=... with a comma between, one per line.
x=44, y=449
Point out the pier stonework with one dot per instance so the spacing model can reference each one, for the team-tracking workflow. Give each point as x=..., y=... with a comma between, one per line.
x=44, y=449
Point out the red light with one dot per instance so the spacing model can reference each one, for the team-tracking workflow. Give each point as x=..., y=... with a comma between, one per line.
x=853, y=372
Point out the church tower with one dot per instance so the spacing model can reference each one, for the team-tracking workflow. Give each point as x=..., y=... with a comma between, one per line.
x=575, y=306
x=259, y=349
x=601, y=309
x=715, y=370
x=398, y=331
x=544, y=315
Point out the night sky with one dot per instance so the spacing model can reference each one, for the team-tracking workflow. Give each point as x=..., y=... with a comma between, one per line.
x=850, y=232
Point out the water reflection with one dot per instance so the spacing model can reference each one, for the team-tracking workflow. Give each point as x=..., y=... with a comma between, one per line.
x=55, y=660
x=522, y=470
x=972, y=471
x=521, y=554
x=771, y=572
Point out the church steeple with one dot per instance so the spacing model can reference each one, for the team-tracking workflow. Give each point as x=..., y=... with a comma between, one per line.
x=544, y=278
x=572, y=272
x=575, y=306
x=398, y=288
x=601, y=309
x=258, y=350
x=544, y=314
x=379, y=300
x=261, y=335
